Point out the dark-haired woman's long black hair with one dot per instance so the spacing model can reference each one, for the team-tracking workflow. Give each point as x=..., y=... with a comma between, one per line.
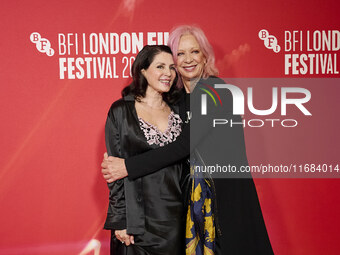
x=139, y=83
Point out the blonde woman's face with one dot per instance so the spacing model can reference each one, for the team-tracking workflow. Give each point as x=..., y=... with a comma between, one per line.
x=190, y=58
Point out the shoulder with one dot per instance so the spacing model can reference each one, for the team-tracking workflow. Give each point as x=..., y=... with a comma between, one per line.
x=119, y=107
x=211, y=80
x=208, y=84
x=221, y=94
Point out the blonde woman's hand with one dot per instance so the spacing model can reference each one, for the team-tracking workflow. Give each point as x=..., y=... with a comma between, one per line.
x=113, y=168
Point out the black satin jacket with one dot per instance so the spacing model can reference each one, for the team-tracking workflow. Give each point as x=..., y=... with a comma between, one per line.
x=124, y=139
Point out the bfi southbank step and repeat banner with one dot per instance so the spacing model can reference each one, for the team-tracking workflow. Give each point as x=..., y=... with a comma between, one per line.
x=64, y=62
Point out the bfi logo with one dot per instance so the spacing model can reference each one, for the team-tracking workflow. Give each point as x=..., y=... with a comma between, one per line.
x=270, y=41
x=43, y=45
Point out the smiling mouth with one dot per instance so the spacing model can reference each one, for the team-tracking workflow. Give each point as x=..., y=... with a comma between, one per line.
x=166, y=82
x=189, y=68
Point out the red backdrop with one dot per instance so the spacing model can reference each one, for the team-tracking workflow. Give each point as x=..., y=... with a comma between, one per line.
x=52, y=195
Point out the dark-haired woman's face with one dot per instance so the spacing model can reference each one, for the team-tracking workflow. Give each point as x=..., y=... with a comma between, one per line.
x=161, y=73
x=190, y=58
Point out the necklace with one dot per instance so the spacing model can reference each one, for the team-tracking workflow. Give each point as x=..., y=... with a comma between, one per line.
x=162, y=107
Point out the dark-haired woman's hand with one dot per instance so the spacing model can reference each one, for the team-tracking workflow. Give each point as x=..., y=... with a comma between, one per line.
x=123, y=237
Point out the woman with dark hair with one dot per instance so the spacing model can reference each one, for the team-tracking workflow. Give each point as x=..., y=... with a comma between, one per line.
x=224, y=214
x=145, y=215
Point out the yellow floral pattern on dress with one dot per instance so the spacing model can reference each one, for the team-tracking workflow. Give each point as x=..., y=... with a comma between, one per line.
x=200, y=227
